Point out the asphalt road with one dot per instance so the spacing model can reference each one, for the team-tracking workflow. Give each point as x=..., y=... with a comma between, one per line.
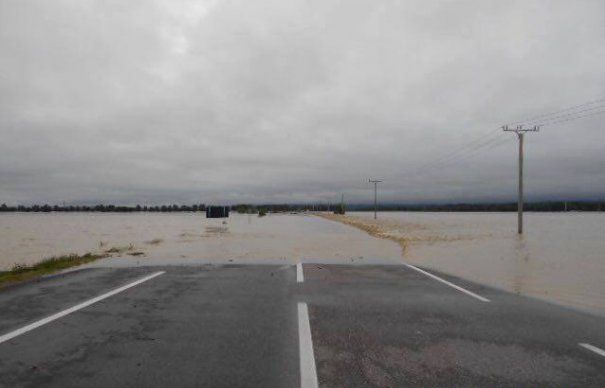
x=236, y=325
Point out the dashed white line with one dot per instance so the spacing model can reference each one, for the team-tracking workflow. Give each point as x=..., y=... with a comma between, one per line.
x=448, y=283
x=300, y=277
x=70, y=310
x=592, y=348
x=308, y=372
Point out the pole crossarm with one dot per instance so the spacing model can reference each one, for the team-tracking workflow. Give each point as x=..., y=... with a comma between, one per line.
x=520, y=129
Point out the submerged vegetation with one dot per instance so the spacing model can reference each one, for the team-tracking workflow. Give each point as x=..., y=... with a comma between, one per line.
x=390, y=232
x=54, y=264
x=21, y=272
x=372, y=228
x=120, y=250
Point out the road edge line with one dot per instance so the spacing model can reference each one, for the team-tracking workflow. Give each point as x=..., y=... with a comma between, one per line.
x=435, y=277
x=592, y=348
x=60, y=314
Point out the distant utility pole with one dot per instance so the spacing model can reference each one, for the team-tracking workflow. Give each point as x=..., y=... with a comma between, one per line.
x=375, y=182
x=520, y=131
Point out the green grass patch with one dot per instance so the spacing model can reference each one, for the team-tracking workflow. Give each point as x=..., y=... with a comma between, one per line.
x=20, y=273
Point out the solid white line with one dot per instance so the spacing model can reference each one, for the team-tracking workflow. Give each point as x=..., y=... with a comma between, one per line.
x=448, y=283
x=592, y=348
x=308, y=373
x=300, y=277
x=70, y=310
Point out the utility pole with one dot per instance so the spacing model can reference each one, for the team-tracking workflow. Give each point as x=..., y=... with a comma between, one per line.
x=375, y=182
x=520, y=131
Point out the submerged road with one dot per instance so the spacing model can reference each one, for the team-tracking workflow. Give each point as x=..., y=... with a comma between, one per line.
x=288, y=326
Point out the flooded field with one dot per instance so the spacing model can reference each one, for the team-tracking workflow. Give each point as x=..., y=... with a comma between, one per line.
x=560, y=258
x=27, y=238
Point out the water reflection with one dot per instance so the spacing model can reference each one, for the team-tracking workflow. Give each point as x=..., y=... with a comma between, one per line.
x=522, y=266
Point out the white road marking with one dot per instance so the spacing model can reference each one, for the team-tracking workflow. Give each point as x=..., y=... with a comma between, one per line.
x=300, y=277
x=70, y=310
x=448, y=283
x=592, y=348
x=308, y=373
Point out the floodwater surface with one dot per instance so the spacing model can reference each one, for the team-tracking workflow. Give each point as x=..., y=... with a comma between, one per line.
x=560, y=257
x=26, y=238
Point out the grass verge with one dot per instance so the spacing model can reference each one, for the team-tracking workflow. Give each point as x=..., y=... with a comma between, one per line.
x=21, y=273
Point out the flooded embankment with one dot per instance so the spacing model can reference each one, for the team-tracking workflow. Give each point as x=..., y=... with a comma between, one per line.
x=561, y=257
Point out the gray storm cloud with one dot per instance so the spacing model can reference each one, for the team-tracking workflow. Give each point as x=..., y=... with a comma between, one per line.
x=272, y=101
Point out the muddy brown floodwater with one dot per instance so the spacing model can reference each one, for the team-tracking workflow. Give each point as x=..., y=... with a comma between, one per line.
x=561, y=257
x=26, y=238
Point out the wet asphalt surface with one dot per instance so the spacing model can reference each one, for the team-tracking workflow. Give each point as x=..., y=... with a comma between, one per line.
x=237, y=325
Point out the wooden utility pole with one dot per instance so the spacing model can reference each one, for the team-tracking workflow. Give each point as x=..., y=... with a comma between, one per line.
x=520, y=132
x=375, y=182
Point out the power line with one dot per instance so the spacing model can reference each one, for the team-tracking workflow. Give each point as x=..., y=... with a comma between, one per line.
x=573, y=118
x=488, y=146
x=493, y=144
x=471, y=147
x=524, y=121
x=492, y=139
x=463, y=153
x=457, y=151
x=572, y=114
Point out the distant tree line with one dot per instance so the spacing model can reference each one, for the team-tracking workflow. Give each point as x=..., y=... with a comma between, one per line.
x=103, y=208
x=279, y=208
x=273, y=208
x=546, y=206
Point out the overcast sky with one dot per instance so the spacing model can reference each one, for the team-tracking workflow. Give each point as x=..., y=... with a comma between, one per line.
x=291, y=101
